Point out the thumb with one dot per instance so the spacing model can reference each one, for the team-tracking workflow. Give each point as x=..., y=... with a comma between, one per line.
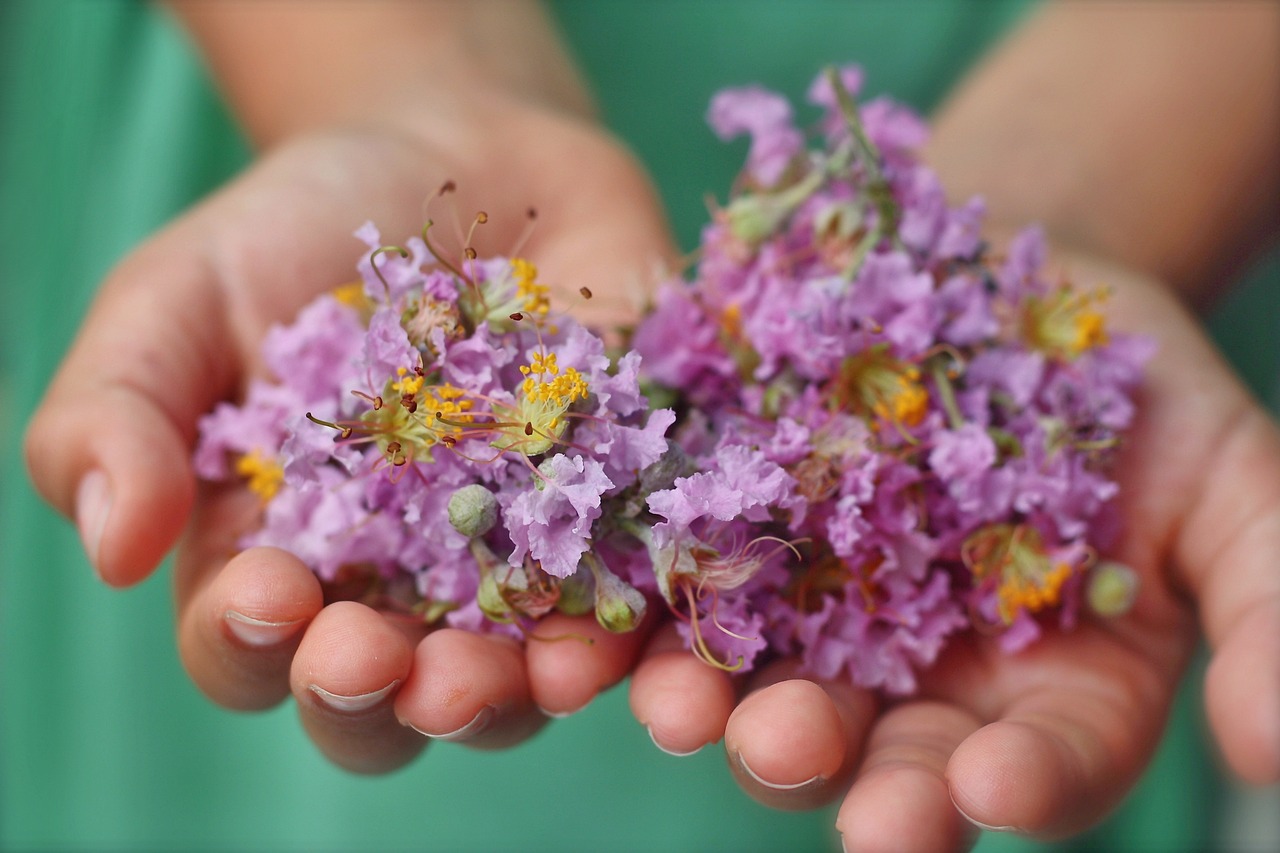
x=109, y=444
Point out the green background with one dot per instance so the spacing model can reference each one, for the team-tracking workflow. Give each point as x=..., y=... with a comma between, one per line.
x=107, y=129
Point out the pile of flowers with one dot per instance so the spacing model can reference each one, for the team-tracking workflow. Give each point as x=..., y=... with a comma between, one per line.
x=878, y=434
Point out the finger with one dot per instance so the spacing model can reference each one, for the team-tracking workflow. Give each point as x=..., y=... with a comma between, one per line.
x=108, y=446
x=571, y=659
x=1220, y=509
x=175, y=328
x=793, y=744
x=684, y=703
x=627, y=219
x=1228, y=550
x=345, y=677
x=240, y=626
x=900, y=800
x=1242, y=689
x=469, y=688
x=1064, y=753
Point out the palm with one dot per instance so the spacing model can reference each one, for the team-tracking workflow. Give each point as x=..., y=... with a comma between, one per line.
x=1047, y=740
x=252, y=627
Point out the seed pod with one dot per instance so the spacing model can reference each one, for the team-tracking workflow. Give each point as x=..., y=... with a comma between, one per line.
x=1112, y=589
x=473, y=510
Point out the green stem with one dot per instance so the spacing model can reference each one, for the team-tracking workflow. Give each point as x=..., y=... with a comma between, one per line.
x=948, y=395
x=866, y=153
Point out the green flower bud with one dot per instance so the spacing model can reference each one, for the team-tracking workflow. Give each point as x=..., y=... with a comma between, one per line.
x=663, y=473
x=490, y=594
x=489, y=597
x=577, y=593
x=473, y=510
x=619, y=606
x=1112, y=589
x=754, y=218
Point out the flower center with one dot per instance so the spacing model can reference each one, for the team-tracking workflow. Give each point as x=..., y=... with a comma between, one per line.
x=264, y=474
x=1065, y=324
x=1027, y=577
x=875, y=383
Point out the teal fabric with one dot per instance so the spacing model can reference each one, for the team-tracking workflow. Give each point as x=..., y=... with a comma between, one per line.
x=107, y=129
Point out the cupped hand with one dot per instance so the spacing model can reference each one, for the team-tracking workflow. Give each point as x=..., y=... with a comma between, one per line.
x=1047, y=741
x=177, y=327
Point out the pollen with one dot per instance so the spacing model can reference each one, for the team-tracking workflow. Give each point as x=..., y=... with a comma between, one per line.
x=562, y=390
x=534, y=298
x=1091, y=330
x=545, y=382
x=407, y=383
x=447, y=401
x=264, y=474
x=352, y=295
x=904, y=400
x=731, y=321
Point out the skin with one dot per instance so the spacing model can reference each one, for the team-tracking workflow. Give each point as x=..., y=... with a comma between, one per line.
x=1045, y=742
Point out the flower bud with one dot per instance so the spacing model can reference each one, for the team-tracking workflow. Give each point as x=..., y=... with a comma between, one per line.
x=619, y=606
x=577, y=593
x=752, y=219
x=473, y=510
x=489, y=598
x=1112, y=589
x=663, y=473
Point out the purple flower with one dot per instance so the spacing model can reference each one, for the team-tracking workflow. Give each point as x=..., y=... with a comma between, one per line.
x=552, y=523
x=400, y=273
x=880, y=646
x=764, y=115
x=316, y=354
x=681, y=346
x=744, y=484
x=821, y=93
x=387, y=348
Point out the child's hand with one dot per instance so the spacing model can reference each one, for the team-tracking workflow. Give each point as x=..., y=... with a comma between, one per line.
x=1047, y=741
x=177, y=327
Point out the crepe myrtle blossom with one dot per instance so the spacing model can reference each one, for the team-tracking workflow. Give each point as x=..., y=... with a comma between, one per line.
x=877, y=434
x=947, y=419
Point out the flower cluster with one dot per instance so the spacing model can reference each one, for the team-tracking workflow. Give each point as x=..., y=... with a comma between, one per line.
x=898, y=435
x=884, y=434
x=437, y=442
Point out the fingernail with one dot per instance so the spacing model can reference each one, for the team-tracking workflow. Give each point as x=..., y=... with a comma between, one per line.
x=653, y=738
x=983, y=826
x=777, y=786
x=478, y=724
x=560, y=715
x=353, y=704
x=93, y=506
x=259, y=633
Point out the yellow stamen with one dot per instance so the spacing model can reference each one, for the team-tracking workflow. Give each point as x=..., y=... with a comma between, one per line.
x=877, y=383
x=264, y=474
x=1065, y=324
x=1027, y=578
x=407, y=384
x=352, y=294
x=731, y=320
x=546, y=393
x=535, y=297
x=447, y=401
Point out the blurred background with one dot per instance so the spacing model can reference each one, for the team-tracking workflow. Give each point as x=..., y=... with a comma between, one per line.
x=108, y=128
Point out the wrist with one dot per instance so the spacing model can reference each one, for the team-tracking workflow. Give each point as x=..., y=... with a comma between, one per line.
x=287, y=68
